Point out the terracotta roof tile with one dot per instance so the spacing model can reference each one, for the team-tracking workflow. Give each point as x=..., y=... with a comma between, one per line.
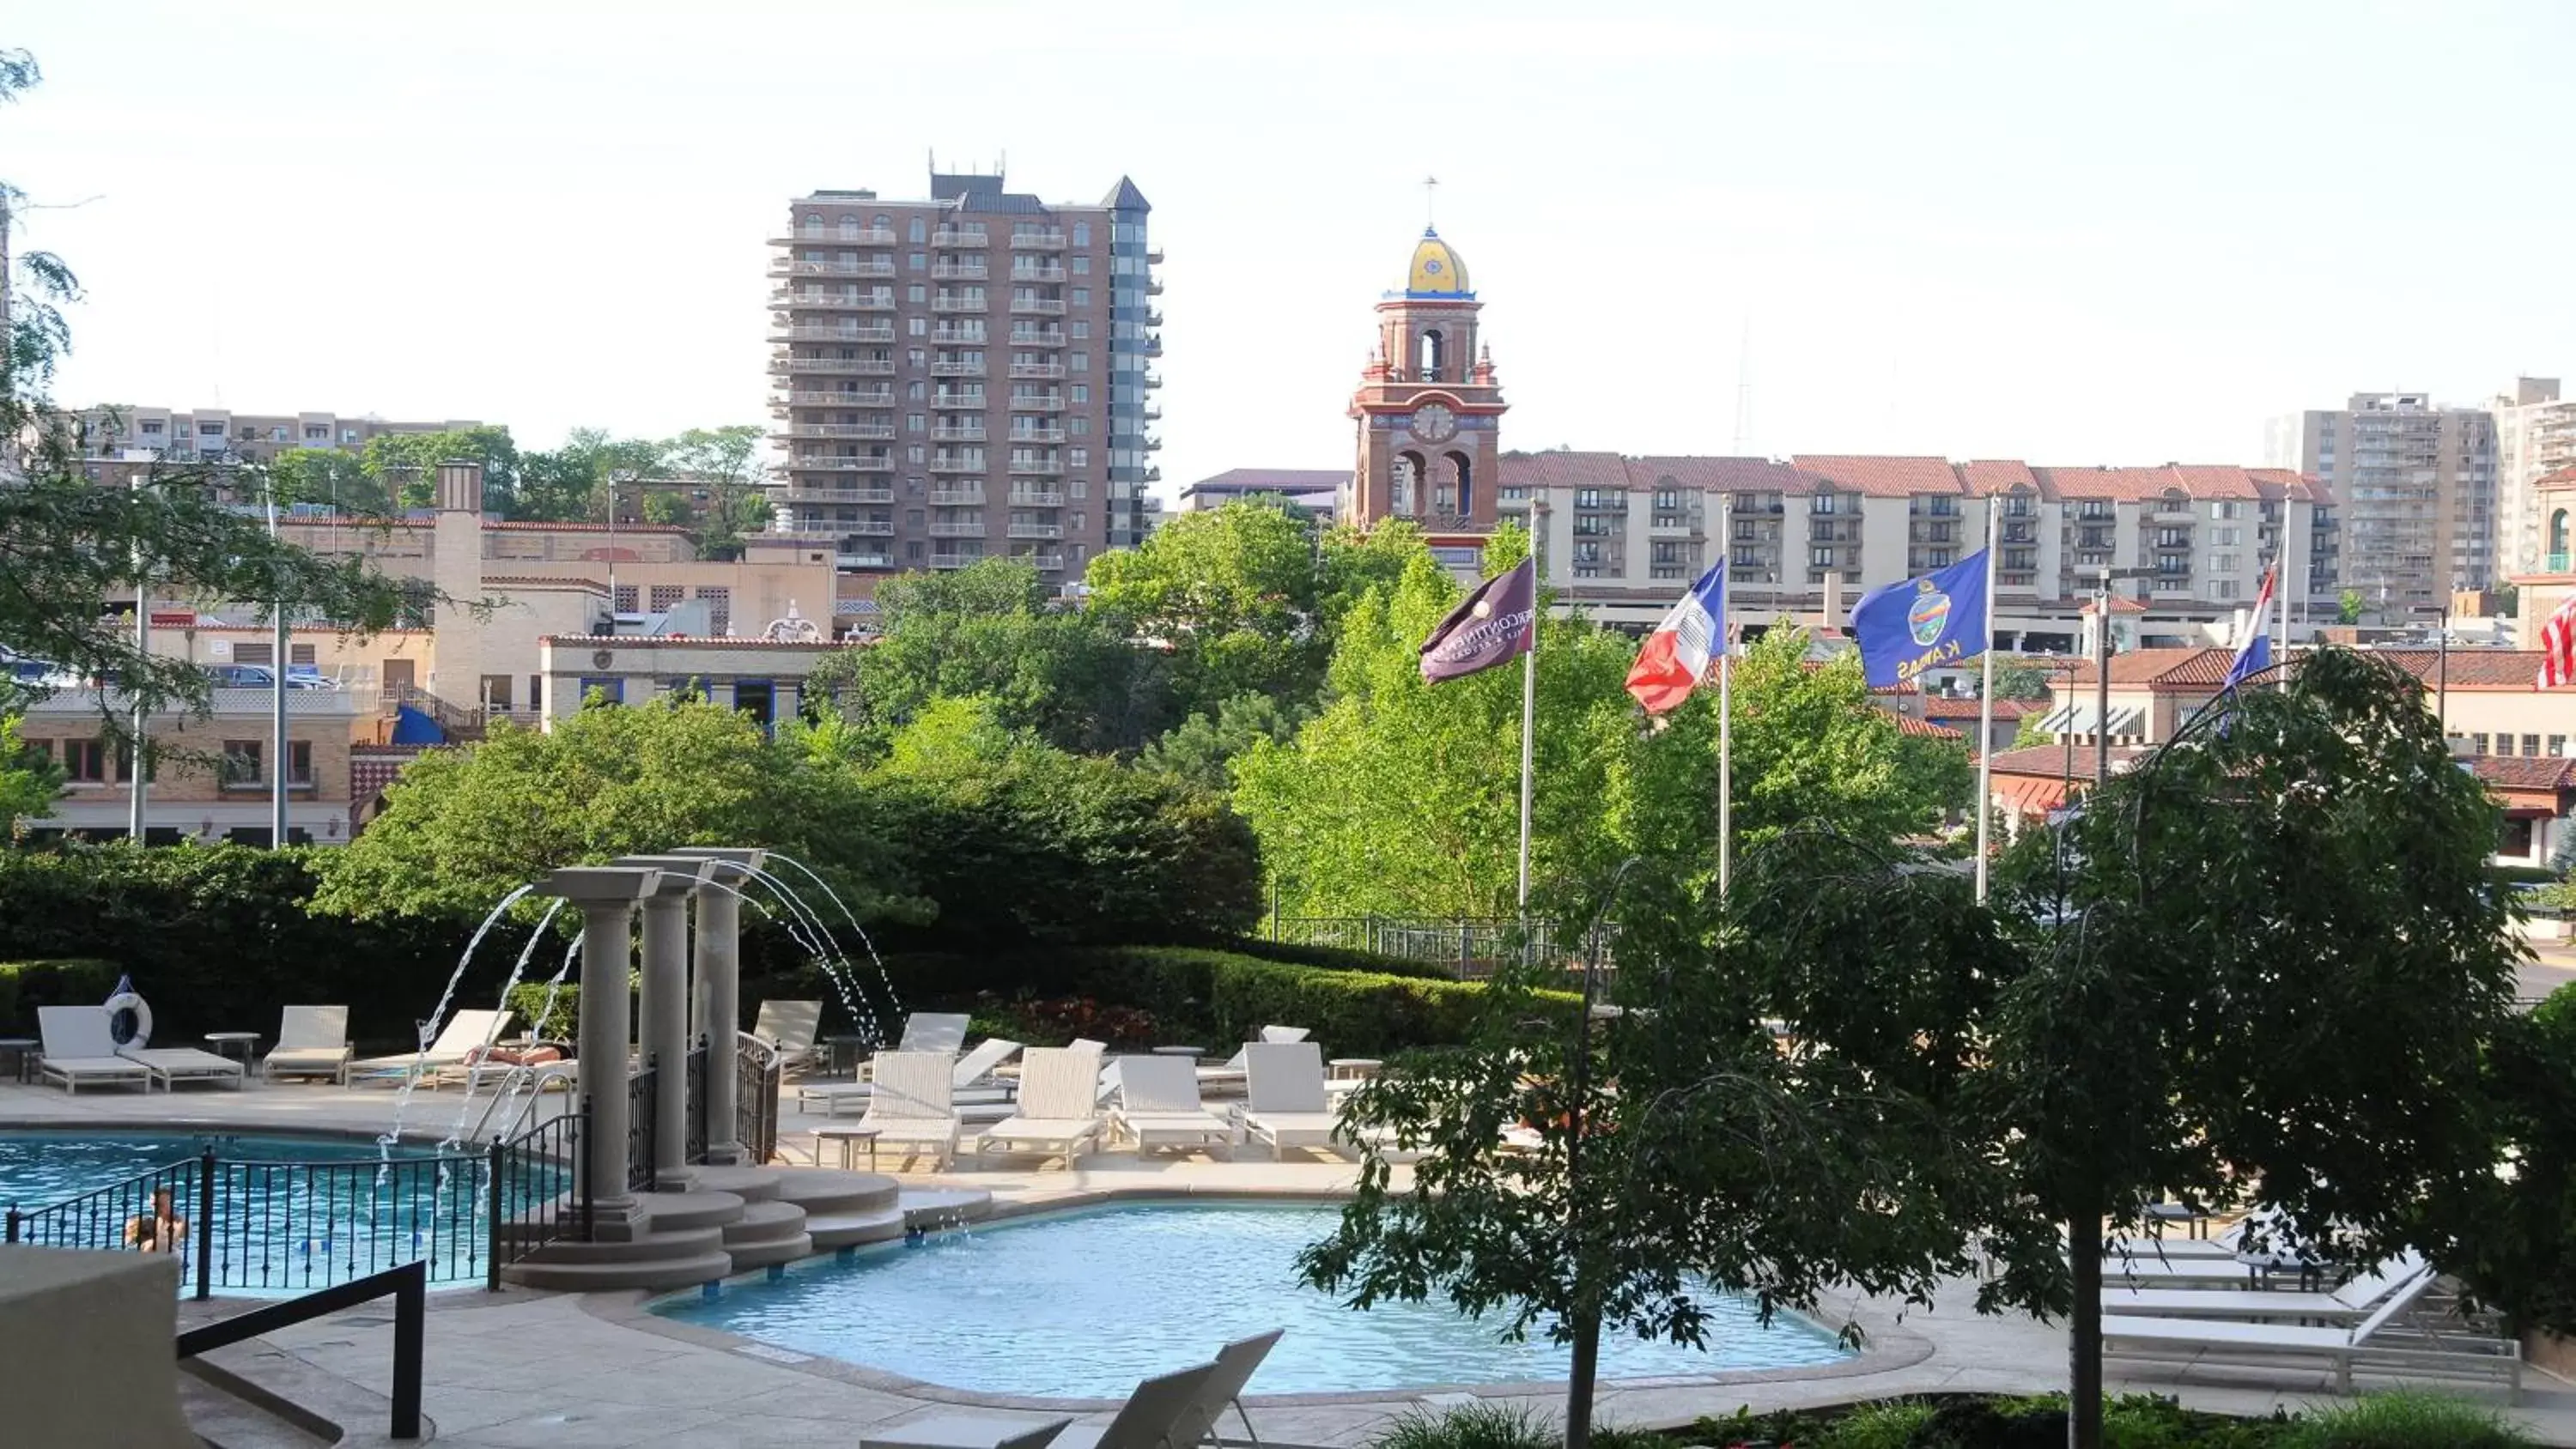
x=1882, y=477
x=2497, y=669
x=1985, y=477
x=1564, y=470
x=2151, y=667
x=2522, y=772
x=1907, y=724
x=2049, y=761
x=1720, y=475
x=1942, y=706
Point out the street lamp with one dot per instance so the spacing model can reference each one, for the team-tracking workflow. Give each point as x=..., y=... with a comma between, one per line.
x=615, y=477
x=2102, y=666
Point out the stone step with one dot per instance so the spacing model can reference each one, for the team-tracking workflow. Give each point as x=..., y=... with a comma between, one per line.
x=748, y=1256
x=826, y=1190
x=654, y=1274
x=764, y=1222
x=934, y=1208
x=751, y=1184
x=850, y=1230
x=233, y=1412
x=686, y=1243
x=676, y=1211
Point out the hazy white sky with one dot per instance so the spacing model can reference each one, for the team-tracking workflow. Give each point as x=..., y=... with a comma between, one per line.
x=2067, y=233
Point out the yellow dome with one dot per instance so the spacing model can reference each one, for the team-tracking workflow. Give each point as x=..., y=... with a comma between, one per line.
x=1438, y=270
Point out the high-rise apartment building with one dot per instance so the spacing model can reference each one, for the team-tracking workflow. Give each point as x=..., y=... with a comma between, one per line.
x=966, y=375
x=2535, y=437
x=118, y=441
x=2416, y=484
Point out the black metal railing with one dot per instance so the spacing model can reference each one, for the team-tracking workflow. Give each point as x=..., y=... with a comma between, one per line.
x=693, y=1140
x=409, y=1285
x=540, y=1192
x=756, y=1077
x=1471, y=946
x=640, y=1129
x=266, y=1227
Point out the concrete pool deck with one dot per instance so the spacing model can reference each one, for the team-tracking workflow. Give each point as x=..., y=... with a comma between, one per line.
x=521, y=1370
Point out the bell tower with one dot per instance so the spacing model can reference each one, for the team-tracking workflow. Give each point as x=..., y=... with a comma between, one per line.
x=1428, y=410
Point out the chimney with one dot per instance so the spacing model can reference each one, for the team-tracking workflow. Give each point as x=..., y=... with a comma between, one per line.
x=460, y=486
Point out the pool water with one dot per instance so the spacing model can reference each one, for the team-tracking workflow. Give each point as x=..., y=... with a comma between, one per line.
x=1086, y=1304
x=289, y=1214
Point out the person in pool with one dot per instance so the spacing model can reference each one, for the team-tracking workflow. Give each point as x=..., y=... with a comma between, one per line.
x=161, y=1230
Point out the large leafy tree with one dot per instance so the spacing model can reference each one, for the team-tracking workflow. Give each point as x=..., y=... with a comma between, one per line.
x=2275, y=961
x=571, y=484
x=727, y=461
x=1231, y=593
x=1768, y=1114
x=405, y=465
x=29, y=781
x=67, y=544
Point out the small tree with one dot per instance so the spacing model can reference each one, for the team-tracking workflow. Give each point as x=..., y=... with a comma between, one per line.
x=29, y=780
x=1681, y=1146
x=2274, y=962
x=2350, y=607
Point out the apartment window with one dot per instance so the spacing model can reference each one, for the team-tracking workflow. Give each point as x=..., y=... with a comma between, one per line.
x=912, y=422
x=916, y=293
x=918, y=261
x=299, y=763
x=2557, y=747
x=1821, y=504
x=915, y=357
x=1082, y=296
x=1078, y=362
x=916, y=326
x=2531, y=745
x=1077, y=457
x=1077, y=489
x=2223, y=589
x=1587, y=553
x=152, y=429
x=2173, y=538
x=239, y=764
x=628, y=601
x=1747, y=531
x=920, y=231
x=1665, y=553
x=1587, y=497
x=1081, y=393
x=2226, y=537
x=1820, y=558
x=2226, y=510
x=916, y=390
x=2477, y=744
x=1080, y=330
x=912, y=550
x=84, y=761
x=1082, y=233
x=1080, y=427
x=1082, y=266
x=348, y=437
x=1591, y=524
x=2224, y=563
x=912, y=453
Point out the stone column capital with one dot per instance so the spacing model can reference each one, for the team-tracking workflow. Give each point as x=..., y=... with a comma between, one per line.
x=679, y=875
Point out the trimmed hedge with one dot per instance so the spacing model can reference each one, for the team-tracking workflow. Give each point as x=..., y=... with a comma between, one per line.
x=1341, y=958
x=63, y=981
x=1353, y=1013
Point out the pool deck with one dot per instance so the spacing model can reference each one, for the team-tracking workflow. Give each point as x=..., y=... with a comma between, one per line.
x=548, y=1371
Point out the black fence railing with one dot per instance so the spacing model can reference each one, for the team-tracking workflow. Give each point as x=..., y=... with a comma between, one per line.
x=1472, y=946
x=269, y=1227
x=540, y=1192
x=756, y=1076
x=693, y=1142
x=409, y=1286
x=640, y=1130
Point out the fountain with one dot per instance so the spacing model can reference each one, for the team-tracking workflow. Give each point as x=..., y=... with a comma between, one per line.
x=428, y=1030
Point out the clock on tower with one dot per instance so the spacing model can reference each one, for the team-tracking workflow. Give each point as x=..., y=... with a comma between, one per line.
x=1427, y=407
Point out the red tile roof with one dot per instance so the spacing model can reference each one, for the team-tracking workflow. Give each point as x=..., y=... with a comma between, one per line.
x=1907, y=724
x=2482, y=669
x=2120, y=604
x=1564, y=470
x=2049, y=761
x=1882, y=477
x=1272, y=480
x=2160, y=668
x=2523, y=772
x=1986, y=477
x=1942, y=706
x=1900, y=476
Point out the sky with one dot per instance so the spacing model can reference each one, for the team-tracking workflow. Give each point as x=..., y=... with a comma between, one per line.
x=2071, y=234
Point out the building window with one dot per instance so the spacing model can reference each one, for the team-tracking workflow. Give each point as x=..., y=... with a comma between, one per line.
x=1587, y=498
x=2531, y=745
x=665, y=596
x=1081, y=329
x=920, y=231
x=239, y=764
x=1820, y=558
x=84, y=761
x=1082, y=233
x=299, y=763
x=1082, y=266
x=1821, y=504
x=1591, y=526
x=1078, y=362
x=2557, y=747
x=627, y=600
x=1081, y=393
x=918, y=261
x=2477, y=744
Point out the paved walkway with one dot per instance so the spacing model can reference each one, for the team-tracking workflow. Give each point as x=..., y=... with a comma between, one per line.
x=559, y=1372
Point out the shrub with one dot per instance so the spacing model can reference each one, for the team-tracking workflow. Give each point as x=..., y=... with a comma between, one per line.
x=1355, y=1013
x=2408, y=1419
x=1056, y=1020
x=1876, y=1426
x=1480, y=1425
x=527, y=1001
x=64, y=981
x=1343, y=958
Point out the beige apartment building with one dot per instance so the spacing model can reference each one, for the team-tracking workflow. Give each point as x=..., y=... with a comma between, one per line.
x=2535, y=438
x=2417, y=486
x=965, y=375
x=119, y=441
x=212, y=776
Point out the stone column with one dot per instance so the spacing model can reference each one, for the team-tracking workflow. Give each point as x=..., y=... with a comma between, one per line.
x=606, y=897
x=717, y=1013
x=663, y=1005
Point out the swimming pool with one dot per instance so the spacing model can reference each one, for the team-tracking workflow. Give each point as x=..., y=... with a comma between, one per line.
x=1085, y=1304
x=285, y=1215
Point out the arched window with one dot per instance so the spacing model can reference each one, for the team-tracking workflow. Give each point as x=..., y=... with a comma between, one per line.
x=1404, y=499
x=2558, y=542
x=1462, y=486
x=1432, y=353
x=849, y=226
x=920, y=231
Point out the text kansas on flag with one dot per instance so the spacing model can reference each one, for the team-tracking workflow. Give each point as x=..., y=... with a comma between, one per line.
x=1904, y=629
x=1495, y=624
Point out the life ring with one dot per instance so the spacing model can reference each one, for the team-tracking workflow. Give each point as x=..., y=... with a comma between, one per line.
x=129, y=1019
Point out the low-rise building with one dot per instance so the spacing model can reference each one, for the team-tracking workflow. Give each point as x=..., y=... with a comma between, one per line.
x=211, y=775
x=764, y=678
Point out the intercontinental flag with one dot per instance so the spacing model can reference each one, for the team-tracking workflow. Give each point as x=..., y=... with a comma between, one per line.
x=1494, y=625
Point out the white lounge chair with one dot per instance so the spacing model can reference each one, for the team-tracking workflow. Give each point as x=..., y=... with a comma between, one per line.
x=1284, y=1034
x=912, y=1105
x=972, y=1081
x=934, y=1031
x=1157, y=1416
x=1235, y=1364
x=2374, y=1346
x=1157, y=1104
x=788, y=1029
x=80, y=1050
x=1059, y=1107
x=312, y=1041
x=465, y=1033
x=2351, y=1302
x=1284, y=1103
x=170, y=1066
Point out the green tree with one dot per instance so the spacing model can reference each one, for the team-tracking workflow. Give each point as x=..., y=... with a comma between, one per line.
x=727, y=461
x=2349, y=608
x=665, y=509
x=2211, y=1019
x=2032, y=732
x=1200, y=748
x=1679, y=1147
x=67, y=544
x=2516, y=1243
x=330, y=477
x=1230, y=593
x=988, y=586
x=405, y=465
x=29, y=780
x=571, y=484
x=2021, y=679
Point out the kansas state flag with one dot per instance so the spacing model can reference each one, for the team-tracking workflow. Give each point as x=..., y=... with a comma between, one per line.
x=1904, y=629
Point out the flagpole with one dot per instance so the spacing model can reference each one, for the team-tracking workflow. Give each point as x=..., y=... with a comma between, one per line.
x=1529, y=692
x=1725, y=695
x=1986, y=695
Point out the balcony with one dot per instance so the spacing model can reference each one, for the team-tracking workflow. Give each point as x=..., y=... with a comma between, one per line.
x=1036, y=530
x=2173, y=513
x=971, y=400
x=1153, y=256
x=972, y=335
x=1025, y=498
x=958, y=433
x=881, y=398
x=957, y=497
x=1670, y=530
x=1154, y=319
x=1048, y=273
x=873, y=432
x=883, y=464
x=956, y=369
x=973, y=528
x=960, y=237
x=830, y=302
x=961, y=272
x=1036, y=435
x=1034, y=468
x=1049, y=241
x=869, y=528
x=1050, y=338
x=1153, y=287
x=941, y=464
x=954, y=560
x=951, y=302
x=836, y=366
x=1045, y=563
x=1153, y=380
x=811, y=492
x=864, y=236
x=1152, y=415
x=807, y=332
x=1037, y=369
x=863, y=560
x=1033, y=403
x=1040, y=306
x=870, y=267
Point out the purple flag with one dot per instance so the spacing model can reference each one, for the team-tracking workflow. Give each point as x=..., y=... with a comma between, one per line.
x=1496, y=623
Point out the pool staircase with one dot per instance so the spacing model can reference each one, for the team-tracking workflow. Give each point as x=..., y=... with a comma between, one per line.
x=718, y=1221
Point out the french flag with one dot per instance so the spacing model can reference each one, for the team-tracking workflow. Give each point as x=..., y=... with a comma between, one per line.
x=2254, y=654
x=1675, y=657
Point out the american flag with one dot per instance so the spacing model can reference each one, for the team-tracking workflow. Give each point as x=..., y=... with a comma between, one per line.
x=2558, y=647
